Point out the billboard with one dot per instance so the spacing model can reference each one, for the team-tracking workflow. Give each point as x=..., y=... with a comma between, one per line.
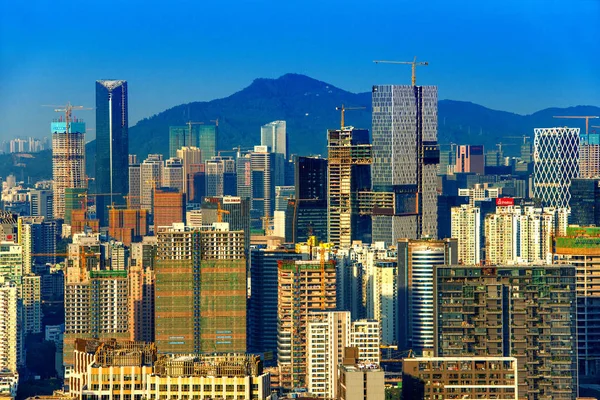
x=505, y=201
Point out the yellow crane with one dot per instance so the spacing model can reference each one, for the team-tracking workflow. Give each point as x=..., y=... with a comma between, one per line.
x=586, y=117
x=220, y=212
x=343, y=110
x=413, y=63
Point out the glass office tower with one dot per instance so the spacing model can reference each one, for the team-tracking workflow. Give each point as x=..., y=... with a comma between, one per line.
x=405, y=158
x=112, y=145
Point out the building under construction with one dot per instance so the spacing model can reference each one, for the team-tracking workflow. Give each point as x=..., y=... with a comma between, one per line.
x=209, y=266
x=134, y=370
x=303, y=287
x=68, y=160
x=349, y=171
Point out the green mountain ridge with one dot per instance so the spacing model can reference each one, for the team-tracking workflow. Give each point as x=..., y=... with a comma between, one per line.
x=309, y=108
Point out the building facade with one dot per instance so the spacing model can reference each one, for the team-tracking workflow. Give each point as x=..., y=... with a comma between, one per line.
x=112, y=145
x=466, y=229
x=405, y=158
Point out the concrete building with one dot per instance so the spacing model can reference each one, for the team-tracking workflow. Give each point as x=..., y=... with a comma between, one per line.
x=134, y=369
x=151, y=176
x=243, y=168
x=274, y=136
x=405, y=160
x=349, y=171
x=68, y=161
x=11, y=334
x=141, y=290
x=470, y=159
x=41, y=203
x=579, y=247
x=556, y=158
x=220, y=176
x=329, y=334
x=169, y=207
x=127, y=225
x=480, y=378
x=528, y=312
x=466, y=229
x=37, y=236
x=589, y=156
x=235, y=211
x=211, y=265
x=360, y=380
x=282, y=195
x=262, y=302
x=585, y=202
x=417, y=260
x=173, y=174
x=191, y=157
x=303, y=286
x=263, y=186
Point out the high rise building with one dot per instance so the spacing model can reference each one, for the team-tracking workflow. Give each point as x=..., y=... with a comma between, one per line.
x=112, y=145
x=10, y=316
x=180, y=136
x=236, y=214
x=585, y=201
x=405, y=158
x=417, y=260
x=190, y=156
x=589, y=156
x=220, y=176
x=470, y=158
x=151, y=176
x=579, y=247
x=282, y=195
x=311, y=178
x=68, y=161
x=466, y=228
x=329, y=333
x=210, y=265
x=96, y=297
x=141, y=290
x=41, y=203
x=75, y=199
x=173, y=174
x=263, y=187
x=556, y=157
x=37, y=236
x=303, y=286
x=349, y=171
x=274, y=136
x=244, y=176
x=127, y=225
x=169, y=207
x=208, y=136
x=135, y=185
x=528, y=312
x=262, y=303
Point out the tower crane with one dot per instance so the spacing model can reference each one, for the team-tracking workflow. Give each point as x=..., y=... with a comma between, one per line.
x=413, y=63
x=189, y=124
x=343, y=109
x=220, y=213
x=586, y=117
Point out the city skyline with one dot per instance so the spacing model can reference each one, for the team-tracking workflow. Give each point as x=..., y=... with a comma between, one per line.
x=549, y=68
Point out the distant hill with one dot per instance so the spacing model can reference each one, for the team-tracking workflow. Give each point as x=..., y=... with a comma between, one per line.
x=27, y=167
x=308, y=106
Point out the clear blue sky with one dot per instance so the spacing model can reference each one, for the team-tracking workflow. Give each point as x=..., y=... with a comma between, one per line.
x=513, y=55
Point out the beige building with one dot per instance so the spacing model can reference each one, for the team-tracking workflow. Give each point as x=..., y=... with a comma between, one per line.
x=466, y=229
x=359, y=380
x=11, y=338
x=132, y=370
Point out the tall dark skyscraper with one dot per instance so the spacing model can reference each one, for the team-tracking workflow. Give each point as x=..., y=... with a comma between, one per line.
x=112, y=145
x=405, y=158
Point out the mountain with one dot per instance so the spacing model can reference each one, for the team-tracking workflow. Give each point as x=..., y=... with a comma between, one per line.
x=308, y=106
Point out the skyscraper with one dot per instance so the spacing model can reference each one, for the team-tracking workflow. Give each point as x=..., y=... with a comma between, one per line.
x=207, y=140
x=589, y=156
x=68, y=161
x=190, y=156
x=169, y=207
x=220, y=176
x=348, y=172
x=112, y=145
x=41, y=203
x=151, y=175
x=466, y=228
x=274, y=135
x=556, y=157
x=263, y=187
x=209, y=264
x=470, y=158
x=585, y=201
x=417, y=260
x=405, y=158
x=173, y=174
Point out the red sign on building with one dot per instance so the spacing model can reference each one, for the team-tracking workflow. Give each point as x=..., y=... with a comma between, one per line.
x=505, y=201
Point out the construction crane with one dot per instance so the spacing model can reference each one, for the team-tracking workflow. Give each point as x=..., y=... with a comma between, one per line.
x=68, y=110
x=414, y=64
x=220, y=213
x=586, y=117
x=343, y=109
x=524, y=137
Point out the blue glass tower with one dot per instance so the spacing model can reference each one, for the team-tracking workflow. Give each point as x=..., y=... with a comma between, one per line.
x=112, y=145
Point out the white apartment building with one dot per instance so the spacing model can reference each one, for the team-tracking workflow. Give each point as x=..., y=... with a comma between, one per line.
x=466, y=228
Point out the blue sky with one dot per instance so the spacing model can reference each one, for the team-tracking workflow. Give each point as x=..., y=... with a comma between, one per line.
x=513, y=55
